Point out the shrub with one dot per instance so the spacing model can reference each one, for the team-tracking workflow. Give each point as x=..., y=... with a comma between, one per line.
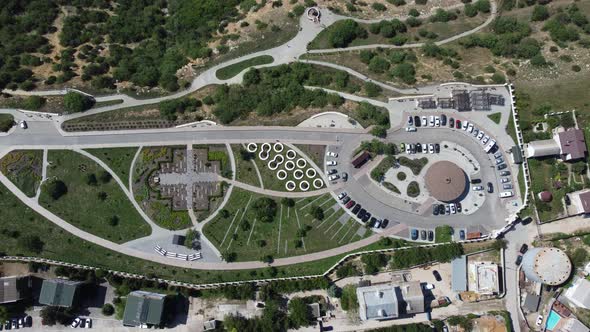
x=56, y=189
x=413, y=189
x=344, y=32
x=372, y=89
x=540, y=13
x=75, y=102
x=34, y=103
x=378, y=6
x=108, y=309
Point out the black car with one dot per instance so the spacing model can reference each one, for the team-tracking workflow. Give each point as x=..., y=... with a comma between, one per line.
x=437, y=148
x=430, y=236
x=452, y=123
x=366, y=217
x=361, y=213
x=490, y=187
x=474, y=181
x=461, y=235
x=523, y=248
x=417, y=122
x=459, y=208
x=443, y=120
x=423, y=234
x=501, y=166
x=384, y=223
x=356, y=208
x=414, y=234
x=372, y=222
x=518, y=260
x=435, y=209
x=436, y=275
x=346, y=200
x=441, y=209
x=28, y=321
x=419, y=147
x=567, y=200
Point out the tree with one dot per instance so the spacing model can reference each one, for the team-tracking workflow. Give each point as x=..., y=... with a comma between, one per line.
x=51, y=315
x=579, y=167
x=379, y=131
x=344, y=32
x=334, y=291
x=114, y=221
x=224, y=213
x=349, y=300
x=105, y=177
x=317, y=212
x=299, y=313
x=229, y=256
x=373, y=262
x=378, y=65
x=102, y=196
x=289, y=202
x=406, y=72
x=56, y=189
x=4, y=314
x=540, y=13
x=108, y=309
x=265, y=209
x=372, y=89
x=34, y=103
x=91, y=179
x=75, y=102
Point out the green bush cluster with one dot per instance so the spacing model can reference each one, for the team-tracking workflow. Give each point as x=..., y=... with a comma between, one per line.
x=170, y=109
x=415, y=256
x=342, y=33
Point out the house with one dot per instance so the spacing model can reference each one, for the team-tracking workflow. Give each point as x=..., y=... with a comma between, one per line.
x=315, y=310
x=60, y=292
x=580, y=201
x=361, y=159
x=579, y=293
x=15, y=288
x=388, y=301
x=569, y=144
x=459, y=274
x=143, y=309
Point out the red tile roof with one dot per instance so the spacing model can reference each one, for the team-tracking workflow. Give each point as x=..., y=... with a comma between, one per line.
x=573, y=144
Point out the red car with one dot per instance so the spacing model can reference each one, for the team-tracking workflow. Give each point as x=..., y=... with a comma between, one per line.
x=458, y=123
x=350, y=204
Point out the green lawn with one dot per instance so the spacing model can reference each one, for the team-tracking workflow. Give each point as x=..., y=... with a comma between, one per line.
x=107, y=103
x=6, y=122
x=314, y=152
x=496, y=117
x=544, y=173
x=24, y=169
x=232, y=70
x=118, y=159
x=245, y=171
x=415, y=165
x=242, y=233
x=443, y=234
x=511, y=129
x=81, y=205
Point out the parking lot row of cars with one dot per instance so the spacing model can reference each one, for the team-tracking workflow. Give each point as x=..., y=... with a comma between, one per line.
x=442, y=209
x=423, y=235
x=333, y=172
x=17, y=323
x=411, y=148
x=361, y=213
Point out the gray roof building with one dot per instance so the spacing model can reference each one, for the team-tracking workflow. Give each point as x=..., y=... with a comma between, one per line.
x=579, y=293
x=59, y=292
x=143, y=308
x=572, y=144
x=531, y=302
x=459, y=275
x=387, y=301
x=13, y=289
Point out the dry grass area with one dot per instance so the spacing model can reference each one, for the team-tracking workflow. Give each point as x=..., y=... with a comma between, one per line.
x=365, y=11
x=488, y=324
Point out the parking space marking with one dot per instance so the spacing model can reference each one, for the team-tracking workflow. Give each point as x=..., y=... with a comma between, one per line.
x=306, y=205
x=299, y=224
x=251, y=231
x=280, y=225
x=232, y=222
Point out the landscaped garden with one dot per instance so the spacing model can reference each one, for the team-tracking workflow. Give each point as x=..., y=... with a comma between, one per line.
x=6, y=122
x=85, y=195
x=245, y=166
x=258, y=227
x=232, y=70
x=415, y=165
x=24, y=169
x=118, y=159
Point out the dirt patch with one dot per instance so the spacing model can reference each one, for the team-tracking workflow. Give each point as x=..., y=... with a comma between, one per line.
x=488, y=324
x=364, y=9
x=13, y=269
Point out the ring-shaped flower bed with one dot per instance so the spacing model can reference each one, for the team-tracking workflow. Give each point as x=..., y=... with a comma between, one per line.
x=298, y=174
x=301, y=163
x=290, y=185
x=311, y=173
x=282, y=174
x=291, y=154
x=252, y=147
x=304, y=185
x=318, y=183
x=263, y=155
x=279, y=159
x=266, y=147
x=272, y=165
x=278, y=147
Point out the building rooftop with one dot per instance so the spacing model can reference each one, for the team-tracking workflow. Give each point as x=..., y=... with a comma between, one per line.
x=59, y=292
x=579, y=293
x=547, y=265
x=572, y=144
x=545, y=196
x=445, y=181
x=143, y=308
x=13, y=288
x=459, y=275
x=377, y=302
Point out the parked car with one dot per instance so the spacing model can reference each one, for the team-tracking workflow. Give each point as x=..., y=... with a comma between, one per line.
x=470, y=128
x=424, y=121
x=430, y=148
x=402, y=147
x=366, y=217
x=350, y=204
x=518, y=260
x=431, y=121
x=423, y=235
x=377, y=224
x=28, y=321
x=441, y=209
x=436, y=275
x=447, y=209
x=475, y=132
x=452, y=123
x=485, y=139
x=539, y=320
x=461, y=235
x=477, y=188
x=465, y=125
x=342, y=195
x=372, y=222
x=384, y=223
x=459, y=207
x=507, y=186
x=76, y=322
x=501, y=166
x=346, y=200
x=334, y=177
x=430, y=236
x=490, y=188
x=424, y=147
x=410, y=121
x=458, y=124
x=524, y=248
x=480, y=135
x=435, y=209
x=437, y=148
x=474, y=181
x=88, y=323
x=453, y=208
x=344, y=176
x=331, y=163
x=437, y=121
x=418, y=148
x=499, y=161
x=443, y=120
x=332, y=171
x=414, y=234
x=332, y=154
x=411, y=129
x=505, y=180
x=417, y=121
x=498, y=155
x=504, y=173
x=361, y=213
x=356, y=208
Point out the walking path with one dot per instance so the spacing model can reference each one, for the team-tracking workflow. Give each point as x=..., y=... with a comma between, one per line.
x=268, y=192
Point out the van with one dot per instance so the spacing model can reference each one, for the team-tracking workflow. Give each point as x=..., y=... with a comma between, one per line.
x=506, y=194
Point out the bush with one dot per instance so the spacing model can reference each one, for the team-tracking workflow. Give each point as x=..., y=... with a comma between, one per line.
x=413, y=189
x=75, y=102
x=34, y=103
x=31, y=243
x=540, y=13
x=378, y=6
x=108, y=309
x=372, y=89
x=344, y=32
x=317, y=212
x=379, y=131
x=56, y=189
x=401, y=176
x=265, y=209
x=498, y=78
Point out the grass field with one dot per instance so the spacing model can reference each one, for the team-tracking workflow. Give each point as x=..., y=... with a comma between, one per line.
x=118, y=159
x=544, y=173
x=315, y=152
x=24, y=169
x=232, y=70
x=242, y=233
x=107, y=103
x=81, y=205
x=245, y=171
x=496, y=117
x=443, y=234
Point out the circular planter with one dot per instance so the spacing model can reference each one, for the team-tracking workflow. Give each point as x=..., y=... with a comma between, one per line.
x=310, y=173
x=301, y=163
x=272, y=165
x=265, y=147
x=318, y=183
x=281, y=174
x=291, y=154
x=289, y=165
x=298, y=174
x=304, y=185
x=290, y=185
x=279, y=159
x=278, y=147
x=252, y=147
x=263, y=155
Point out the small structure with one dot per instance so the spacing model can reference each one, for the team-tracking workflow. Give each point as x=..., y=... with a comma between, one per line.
x=15, y=288
x=550, y=266
x=542, y=148
x=486, y=281
x=313, y=14
x=516, y=155
x=459, y=274
x=178, y=240
x=461, y=100
x=531, y=302
x=446, y=103
x=361, y=159
x=143, y=308
x=580, y=200
x=388, y=301
x=210, y=325
x=579, y=293
x=60, y=292
x=315, y=310
x=545, y=196
x=426, y=103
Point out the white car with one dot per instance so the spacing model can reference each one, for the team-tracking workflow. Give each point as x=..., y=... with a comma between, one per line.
x=76, y=322
x=424, y=148
x=437, y=121
x=23, y=125
x=430, y=148
x=453, y=208
x=332, y=154
x=342, y=195
x=505, y=180
x=411, y=129
x=88, y=323
x=331, y=163
x=334, y=177
x=431, y=122
x=470, y=128
x=485, y=139
x=477, y=188
x=480, y=135
x=424, y=120
x=429, y=286
x=539, y=320
x=465, y=124
x=475, y=132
